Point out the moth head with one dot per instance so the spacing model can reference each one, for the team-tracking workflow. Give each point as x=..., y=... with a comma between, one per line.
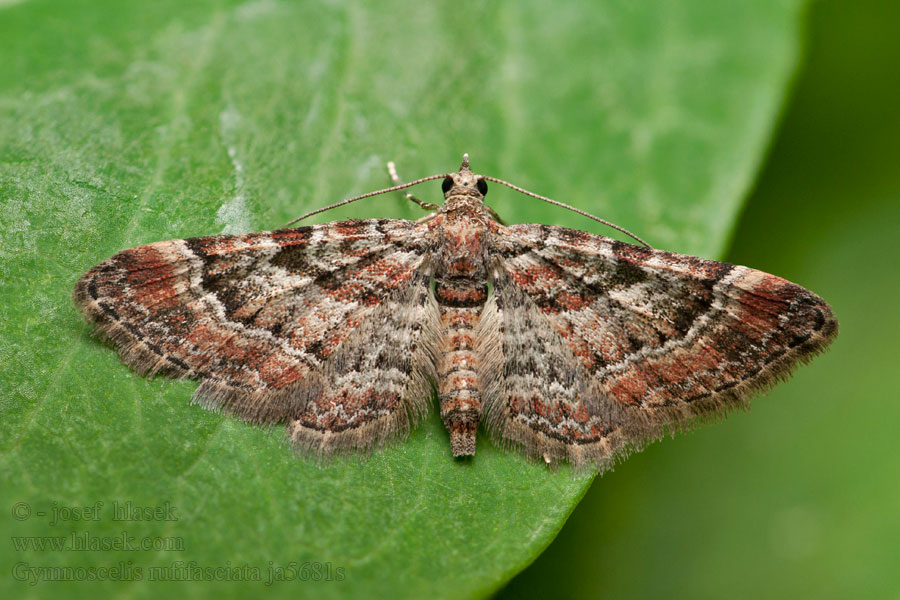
x=464, y=182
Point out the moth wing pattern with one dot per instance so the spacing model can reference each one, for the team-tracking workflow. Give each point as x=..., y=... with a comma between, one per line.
x=635, y=342
x=377, y=385
x=261, y=319
x=538, y=399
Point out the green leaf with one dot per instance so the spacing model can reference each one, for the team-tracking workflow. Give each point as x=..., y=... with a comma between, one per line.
x=127, y=123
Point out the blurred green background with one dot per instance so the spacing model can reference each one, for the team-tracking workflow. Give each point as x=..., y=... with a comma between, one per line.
x=800, y=498
x=126, y=124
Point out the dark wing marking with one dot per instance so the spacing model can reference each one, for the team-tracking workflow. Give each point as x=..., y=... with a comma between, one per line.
x=641, y=339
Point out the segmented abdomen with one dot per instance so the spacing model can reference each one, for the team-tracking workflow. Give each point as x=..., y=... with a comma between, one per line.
x=461, y=301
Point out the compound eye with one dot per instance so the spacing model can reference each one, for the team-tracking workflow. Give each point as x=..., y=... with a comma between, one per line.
x=481, y=184
x=448, y=183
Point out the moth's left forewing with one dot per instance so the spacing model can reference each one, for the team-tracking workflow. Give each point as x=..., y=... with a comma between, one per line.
x=325, y=327
x=656, y=339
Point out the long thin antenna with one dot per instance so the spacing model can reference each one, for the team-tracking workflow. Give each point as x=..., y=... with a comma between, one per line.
x=563, y=205
x=368, y=195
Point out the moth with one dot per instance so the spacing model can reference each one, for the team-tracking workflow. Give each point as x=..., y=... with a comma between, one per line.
x=566, y=345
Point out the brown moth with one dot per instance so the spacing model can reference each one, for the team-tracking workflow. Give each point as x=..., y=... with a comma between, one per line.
x=565, y=344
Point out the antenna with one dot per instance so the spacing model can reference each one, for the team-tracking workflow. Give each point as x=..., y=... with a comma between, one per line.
x=367, y=195
x=566, y=206
x=465, y=167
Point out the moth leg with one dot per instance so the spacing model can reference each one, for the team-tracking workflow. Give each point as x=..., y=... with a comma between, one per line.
x=392, y=171
x=494, y=214
x=422, y=205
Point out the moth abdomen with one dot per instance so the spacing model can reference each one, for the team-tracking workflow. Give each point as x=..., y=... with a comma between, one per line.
x=460, y=301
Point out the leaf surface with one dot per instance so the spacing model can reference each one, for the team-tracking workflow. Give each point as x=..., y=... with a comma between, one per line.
x=124, y=124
